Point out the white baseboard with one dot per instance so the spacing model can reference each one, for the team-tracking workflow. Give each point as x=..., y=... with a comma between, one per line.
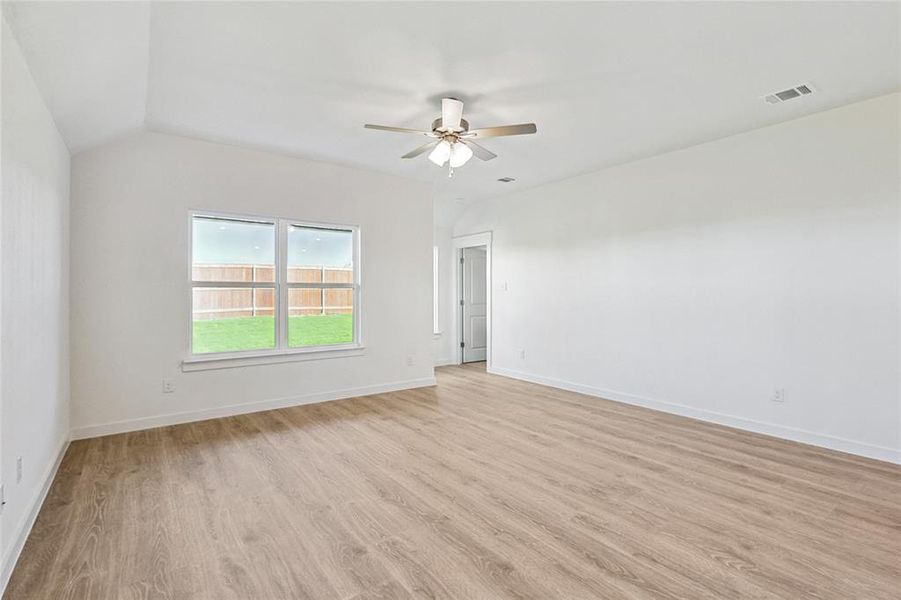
x=91, y=431
x=780, y=431
x=444, y=362
x=20, y=534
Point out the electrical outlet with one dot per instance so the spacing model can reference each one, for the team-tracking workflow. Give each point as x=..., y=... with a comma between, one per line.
x=409, y=361
x=18, y=469
x=168, y=386
x=779, y=395
x=522, y=353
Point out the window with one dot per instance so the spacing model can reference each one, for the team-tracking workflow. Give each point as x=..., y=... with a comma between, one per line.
x=436, y=315
x=320, y=286
x=264, y=286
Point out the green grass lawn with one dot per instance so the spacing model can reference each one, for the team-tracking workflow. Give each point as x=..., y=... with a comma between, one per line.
x=258, y=333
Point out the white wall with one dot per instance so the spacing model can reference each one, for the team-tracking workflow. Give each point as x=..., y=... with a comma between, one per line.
x=701, y=280
x=34, y=354
x=130, y=311
x=443, y=344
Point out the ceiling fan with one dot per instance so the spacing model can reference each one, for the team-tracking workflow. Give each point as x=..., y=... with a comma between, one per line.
x=454, y=140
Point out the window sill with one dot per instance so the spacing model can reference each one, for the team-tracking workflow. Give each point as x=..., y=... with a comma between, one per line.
x=272, y=357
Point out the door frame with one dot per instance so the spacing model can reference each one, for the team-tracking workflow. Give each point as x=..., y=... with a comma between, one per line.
x=471, y=241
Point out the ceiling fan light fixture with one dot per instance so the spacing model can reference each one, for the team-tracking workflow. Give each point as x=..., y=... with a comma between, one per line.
x=460, y=154
x=441, y=153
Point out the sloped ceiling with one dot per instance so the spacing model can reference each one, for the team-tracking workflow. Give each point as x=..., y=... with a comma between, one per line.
x=90, y=62
x=605, y=82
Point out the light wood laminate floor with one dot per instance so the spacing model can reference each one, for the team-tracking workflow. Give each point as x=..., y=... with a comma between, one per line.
x=483, y=487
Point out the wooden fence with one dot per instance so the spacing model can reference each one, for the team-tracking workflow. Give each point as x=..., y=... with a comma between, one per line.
x=222, y=303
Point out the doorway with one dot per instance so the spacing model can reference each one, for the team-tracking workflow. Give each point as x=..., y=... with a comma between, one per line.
x=473, y=304
x=472, y=296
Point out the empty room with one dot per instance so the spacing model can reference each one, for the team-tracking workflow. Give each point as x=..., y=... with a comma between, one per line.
x=450, y=300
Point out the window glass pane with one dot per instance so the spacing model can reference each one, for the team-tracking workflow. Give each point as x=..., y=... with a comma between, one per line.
x=320, y=255
x=320, y=316
x=232, y=250
x=233, y=319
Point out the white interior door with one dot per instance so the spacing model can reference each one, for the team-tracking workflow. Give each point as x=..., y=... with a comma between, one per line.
x=474, y=304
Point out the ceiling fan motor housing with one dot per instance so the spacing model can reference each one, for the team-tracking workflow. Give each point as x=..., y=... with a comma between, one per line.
x=437, y=126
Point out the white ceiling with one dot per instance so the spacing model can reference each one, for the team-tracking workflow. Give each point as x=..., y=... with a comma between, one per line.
x=605, y=82
x=90, y=63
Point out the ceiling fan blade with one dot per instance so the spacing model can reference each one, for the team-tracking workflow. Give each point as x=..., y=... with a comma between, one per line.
x=480, y=151
x=398, y=129
x=486, y=132
x=421, y=150
x=451, y=113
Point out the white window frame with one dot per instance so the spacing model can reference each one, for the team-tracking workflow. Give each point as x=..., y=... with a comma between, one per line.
x=281, y=352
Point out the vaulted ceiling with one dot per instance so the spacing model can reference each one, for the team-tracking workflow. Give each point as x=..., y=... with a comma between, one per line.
x=605, y=82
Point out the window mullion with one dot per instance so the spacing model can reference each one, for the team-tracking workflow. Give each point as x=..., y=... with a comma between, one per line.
x=234, y=284
x=315, y=286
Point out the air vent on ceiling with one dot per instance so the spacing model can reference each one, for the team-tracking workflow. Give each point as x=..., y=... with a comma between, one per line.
x=789, y=94
x=506, y=179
